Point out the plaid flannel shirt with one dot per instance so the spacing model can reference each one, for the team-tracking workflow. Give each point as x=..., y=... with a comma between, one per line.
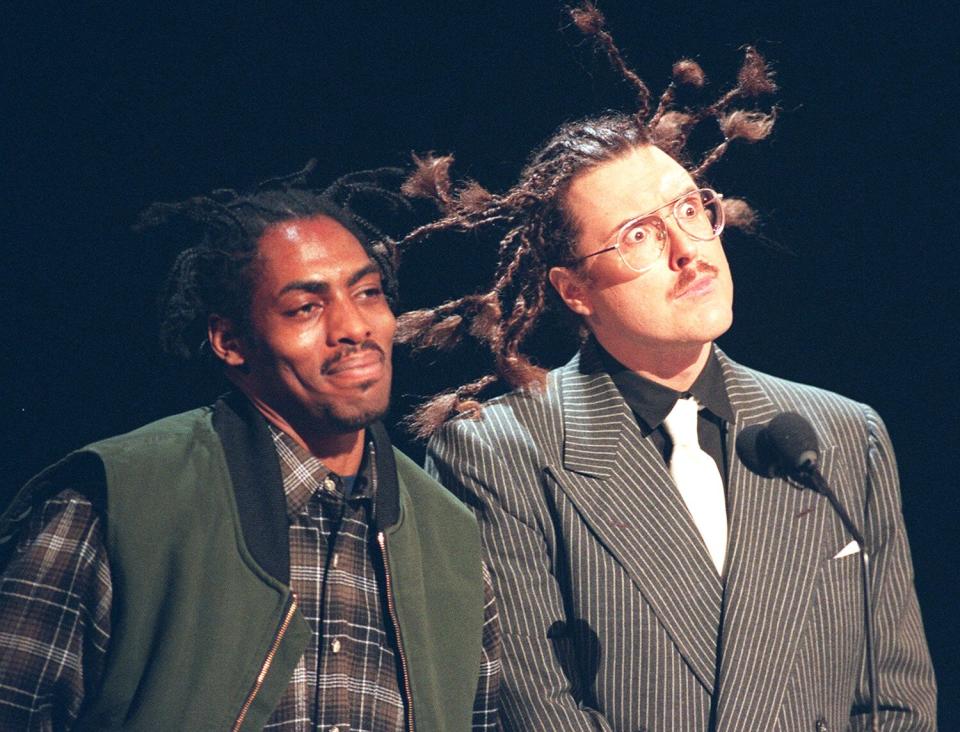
x=55, y=599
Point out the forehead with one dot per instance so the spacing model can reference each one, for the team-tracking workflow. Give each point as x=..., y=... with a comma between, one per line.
x=641, y=180
x=314, y=247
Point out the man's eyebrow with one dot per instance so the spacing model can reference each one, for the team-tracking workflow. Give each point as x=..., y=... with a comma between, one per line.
x=370, y=269
x=314, y=287
x=636, y=217
x=319, y=287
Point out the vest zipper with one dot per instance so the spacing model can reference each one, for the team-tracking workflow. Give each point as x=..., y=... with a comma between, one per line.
x=391, y=611
x=265, y=668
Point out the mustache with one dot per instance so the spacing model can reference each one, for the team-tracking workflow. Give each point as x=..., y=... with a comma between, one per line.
x=346, y=351
x=689, y=274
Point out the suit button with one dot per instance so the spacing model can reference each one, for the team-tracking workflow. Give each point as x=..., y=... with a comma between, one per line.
x=822, y=725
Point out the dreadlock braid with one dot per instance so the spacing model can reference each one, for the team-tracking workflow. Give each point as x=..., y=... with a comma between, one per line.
x=534, y=230
x=527, y=295
x=217, y=273
x=590, y=21
x=670, y=128
x=738, y=124
x=535, y=233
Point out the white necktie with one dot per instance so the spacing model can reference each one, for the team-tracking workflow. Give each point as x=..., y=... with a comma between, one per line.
x=698, y=479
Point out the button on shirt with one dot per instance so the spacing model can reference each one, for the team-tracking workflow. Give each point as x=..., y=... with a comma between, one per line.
x=347, y=676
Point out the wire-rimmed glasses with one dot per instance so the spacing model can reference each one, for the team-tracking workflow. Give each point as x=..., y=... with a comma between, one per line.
x=642, y=239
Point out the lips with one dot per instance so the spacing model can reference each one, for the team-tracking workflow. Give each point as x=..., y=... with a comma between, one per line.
x=366, y=365
x=699, y=286
x=697, y=279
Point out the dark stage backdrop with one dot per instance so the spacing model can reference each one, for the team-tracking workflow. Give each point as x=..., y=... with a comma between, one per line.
x=852, y=285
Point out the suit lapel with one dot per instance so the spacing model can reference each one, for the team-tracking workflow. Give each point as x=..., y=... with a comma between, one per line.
x=620, y=486
x=774, y=552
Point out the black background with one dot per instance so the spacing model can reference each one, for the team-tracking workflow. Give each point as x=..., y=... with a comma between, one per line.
x=852, y=285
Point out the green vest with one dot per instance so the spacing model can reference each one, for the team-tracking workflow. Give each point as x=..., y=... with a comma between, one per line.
x=201, y=633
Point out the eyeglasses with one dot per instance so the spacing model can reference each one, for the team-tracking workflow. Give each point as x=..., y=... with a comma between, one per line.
x=641, y=240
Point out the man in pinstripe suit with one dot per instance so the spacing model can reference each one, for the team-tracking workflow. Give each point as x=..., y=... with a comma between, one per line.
x=615, y=615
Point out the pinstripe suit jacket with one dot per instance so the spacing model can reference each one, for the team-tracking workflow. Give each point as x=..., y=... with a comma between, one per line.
x=613, y=617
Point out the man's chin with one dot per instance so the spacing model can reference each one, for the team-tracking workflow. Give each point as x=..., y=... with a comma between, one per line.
x=350, y=420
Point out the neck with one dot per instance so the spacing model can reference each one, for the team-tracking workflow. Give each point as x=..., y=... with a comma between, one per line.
x=341, y=452
x=674, y=368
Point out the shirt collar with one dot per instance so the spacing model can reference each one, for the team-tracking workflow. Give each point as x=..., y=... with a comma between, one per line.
x=652, y=402
x=304, y=474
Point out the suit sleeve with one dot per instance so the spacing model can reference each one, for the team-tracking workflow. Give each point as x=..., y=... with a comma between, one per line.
x=906, y=685
x=536, y=691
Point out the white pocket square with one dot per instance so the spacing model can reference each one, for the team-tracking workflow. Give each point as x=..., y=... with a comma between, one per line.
x=851, y=548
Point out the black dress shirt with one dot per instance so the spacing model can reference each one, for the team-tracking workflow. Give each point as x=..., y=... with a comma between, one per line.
x=651, y=403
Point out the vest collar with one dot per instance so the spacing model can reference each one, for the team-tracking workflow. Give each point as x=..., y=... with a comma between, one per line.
x=258, y=484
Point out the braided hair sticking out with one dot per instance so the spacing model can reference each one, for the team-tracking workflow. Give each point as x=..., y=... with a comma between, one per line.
x=535, y=230
x=216, y=274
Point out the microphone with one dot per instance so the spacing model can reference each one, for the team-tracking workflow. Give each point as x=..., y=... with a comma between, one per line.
x=784, y=446
x=787, y=447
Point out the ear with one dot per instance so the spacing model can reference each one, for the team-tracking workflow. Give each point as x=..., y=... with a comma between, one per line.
x=572, y=290
x=226, y=341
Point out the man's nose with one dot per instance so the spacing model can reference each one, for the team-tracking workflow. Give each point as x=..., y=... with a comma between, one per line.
x=683, y=247
x=346, y=323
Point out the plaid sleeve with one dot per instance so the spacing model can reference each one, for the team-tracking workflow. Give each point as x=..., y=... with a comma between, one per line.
x=54, y=616
x=486, y=703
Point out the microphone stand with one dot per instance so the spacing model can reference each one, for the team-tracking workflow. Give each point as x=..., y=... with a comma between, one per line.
x=809, y=475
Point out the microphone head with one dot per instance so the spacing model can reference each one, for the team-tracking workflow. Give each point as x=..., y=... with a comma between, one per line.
x=755, y=451
x=782, y=447
x=794, y=442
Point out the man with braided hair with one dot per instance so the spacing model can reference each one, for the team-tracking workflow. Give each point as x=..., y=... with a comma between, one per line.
x=270, y=562
x=647, y=579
